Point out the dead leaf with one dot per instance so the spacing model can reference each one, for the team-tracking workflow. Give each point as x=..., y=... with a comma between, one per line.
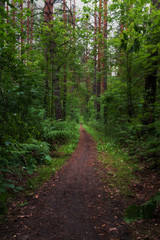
x=112, y=229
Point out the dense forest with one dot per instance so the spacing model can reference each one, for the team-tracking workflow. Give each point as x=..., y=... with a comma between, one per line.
x=62, y=65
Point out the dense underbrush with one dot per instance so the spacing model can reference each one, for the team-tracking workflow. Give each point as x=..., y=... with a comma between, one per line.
x=140, y=145
x=115, y=152
x=34, y=156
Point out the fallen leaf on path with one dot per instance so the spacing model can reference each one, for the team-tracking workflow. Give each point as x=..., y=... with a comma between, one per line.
x=25, y=216
x=112, y=229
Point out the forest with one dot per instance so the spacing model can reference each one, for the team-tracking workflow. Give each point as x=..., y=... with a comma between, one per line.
x=64, y=64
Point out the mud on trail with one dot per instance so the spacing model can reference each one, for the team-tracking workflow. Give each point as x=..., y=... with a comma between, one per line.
x=74, y=204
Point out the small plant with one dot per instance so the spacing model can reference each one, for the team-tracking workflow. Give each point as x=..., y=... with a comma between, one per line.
x=144, y=211
x=115, y=159
x=5, y=184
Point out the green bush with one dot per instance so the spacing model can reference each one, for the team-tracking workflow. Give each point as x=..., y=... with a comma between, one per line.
x=144, y=211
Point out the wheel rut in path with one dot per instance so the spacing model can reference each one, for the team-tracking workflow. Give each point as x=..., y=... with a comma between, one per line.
x=72, y=205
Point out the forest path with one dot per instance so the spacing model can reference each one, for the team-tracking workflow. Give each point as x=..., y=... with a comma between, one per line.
x=72, y=205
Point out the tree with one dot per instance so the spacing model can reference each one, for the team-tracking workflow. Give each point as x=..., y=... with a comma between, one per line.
x=99, y=64
x=151, y=78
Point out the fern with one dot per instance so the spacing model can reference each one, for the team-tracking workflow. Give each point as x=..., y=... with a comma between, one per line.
x=59, y=131
x=37, y=146
x=144, y=211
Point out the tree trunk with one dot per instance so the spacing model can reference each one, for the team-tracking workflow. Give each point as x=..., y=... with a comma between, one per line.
x=99, y=59
x=95, y=55
x=104, y=65
x=130, y=108
x=65, y=72
x=28, y=23
x=13, y=2
x=50, y=51
x=48, y=17
x=22, y=40
x=151, y=84
x=104, y=80
x=57, y=98
x=31, y=25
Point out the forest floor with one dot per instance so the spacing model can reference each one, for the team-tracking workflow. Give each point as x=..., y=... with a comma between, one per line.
x=76, y=204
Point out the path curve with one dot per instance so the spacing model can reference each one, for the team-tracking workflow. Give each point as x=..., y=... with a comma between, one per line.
x=72, y=205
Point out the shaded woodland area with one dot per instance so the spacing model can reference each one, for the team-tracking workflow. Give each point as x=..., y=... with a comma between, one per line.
x=60, y=66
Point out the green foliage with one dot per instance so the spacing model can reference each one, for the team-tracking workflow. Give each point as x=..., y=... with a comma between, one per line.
x=118, y=162
x=59, y=131
x=34, y=155
x=144, y=211
x=44, y=172
x=59, y=69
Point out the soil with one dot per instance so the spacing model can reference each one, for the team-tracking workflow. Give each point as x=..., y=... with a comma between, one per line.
x=75, y=204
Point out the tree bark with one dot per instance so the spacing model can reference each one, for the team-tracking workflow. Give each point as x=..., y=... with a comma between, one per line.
x=104, y=65
x=99, y=59
x=95, y=55
x=104, y=79
x=130, y=108
x=65, y=72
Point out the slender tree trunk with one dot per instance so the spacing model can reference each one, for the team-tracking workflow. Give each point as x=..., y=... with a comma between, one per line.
x=74, y=41
x=7, y=9
x=99, y=58
x=95, y=55
x=57, y=97
x=50, y=52
x=104, y=63
x=31, y=26
x=151, y=84
x=120, y=61
x=22, y=39
x=86, y=63
x=28, y=29
x=130, y=108
x=74, y=14
x=104, y=80
x=65, y=72
x=70, y=19
x=13, y=2
x=46, y=87
x=48, y=11
x=48, y=17
x=28, y=23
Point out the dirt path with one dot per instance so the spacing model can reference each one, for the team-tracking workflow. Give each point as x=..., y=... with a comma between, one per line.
x=73, y=205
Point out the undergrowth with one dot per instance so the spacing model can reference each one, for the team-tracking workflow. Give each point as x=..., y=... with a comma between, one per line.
x=46, y=171
x=120, y=167
x=143, y=211
x=24, y=166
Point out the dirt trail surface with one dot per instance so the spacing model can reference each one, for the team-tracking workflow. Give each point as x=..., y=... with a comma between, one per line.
x=74, y=204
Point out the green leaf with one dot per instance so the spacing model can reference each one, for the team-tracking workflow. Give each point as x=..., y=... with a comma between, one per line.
x=144, y=211
x=125, y=36
x=23, y=204
x=136, y=44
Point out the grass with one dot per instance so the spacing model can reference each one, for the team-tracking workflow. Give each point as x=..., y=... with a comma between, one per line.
x=45, y=172
x=42, y=174
x=118, y=164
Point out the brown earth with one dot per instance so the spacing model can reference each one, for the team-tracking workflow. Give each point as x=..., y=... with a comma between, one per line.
x=74, y=204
